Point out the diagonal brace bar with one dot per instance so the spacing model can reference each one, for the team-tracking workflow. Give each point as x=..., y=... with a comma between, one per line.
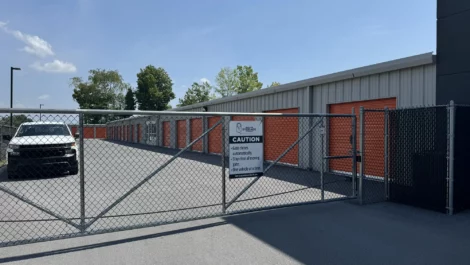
x=40, y=207
x=151, y=175
x=273, y=163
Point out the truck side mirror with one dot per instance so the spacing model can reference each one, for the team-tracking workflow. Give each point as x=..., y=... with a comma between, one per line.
x=77, y=135
x=7, y=137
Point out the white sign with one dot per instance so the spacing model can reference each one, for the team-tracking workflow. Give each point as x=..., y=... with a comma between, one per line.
x=246, y=149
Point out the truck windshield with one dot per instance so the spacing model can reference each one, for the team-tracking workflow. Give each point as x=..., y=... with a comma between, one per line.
x=43, y=129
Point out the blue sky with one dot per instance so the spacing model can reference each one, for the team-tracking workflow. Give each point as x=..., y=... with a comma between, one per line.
x=284, y=41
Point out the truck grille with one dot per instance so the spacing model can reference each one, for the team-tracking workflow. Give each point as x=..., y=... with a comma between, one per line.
x=42, y=146
x=39, y=151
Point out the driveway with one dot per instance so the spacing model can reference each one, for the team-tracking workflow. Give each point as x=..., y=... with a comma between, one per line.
x=188, y=188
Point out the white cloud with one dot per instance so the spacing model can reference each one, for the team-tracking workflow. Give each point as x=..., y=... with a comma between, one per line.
x=43, y=97
x=34, y=44
x=55, y=66
x=204, y=80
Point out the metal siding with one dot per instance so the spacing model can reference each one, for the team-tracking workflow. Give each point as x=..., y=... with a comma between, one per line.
x=394, y=83
x=356, y=89
x=282, y=100
x=287, y=99
x=374, y=87
x=324, y=93
x=365, y=88
x=303, y=100
x=412, y=87
x=417, y=85
x=331, y=93
x=404, y=98
x=384, y=85
x=317, y=102
x=347, y=88
x=339, y=92
x=430, y=84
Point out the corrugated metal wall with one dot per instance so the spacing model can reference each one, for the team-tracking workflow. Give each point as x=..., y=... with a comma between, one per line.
x=284, y=100
x=412, y=87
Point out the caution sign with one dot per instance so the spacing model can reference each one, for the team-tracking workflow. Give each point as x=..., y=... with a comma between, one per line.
x=246, y=149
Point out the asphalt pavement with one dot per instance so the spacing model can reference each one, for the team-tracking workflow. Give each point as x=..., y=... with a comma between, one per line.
x=190, y=187
x=331, y=233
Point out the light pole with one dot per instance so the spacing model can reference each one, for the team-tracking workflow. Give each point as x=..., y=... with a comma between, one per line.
x=40, y=114
x=11, y=92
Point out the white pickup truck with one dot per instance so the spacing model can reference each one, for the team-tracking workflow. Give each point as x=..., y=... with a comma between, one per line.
x=42, y=149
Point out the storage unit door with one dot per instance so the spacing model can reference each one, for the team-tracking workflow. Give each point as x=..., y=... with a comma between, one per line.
x=181, y=133
x=100, y=132
x=215, y=136
x=196, y=131
x=132, y=133
x=166, y=134
x=74, y=130
x=88, y=133
x=279, y=134
x=139, y=133
x=340, y=133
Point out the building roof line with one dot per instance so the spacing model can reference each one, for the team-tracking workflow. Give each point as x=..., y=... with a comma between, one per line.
x=407, y=62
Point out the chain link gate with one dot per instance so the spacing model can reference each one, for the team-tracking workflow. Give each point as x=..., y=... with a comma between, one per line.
x=407, y=156
x=70, y=178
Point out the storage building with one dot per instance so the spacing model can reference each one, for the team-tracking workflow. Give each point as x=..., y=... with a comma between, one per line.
x=401, y=83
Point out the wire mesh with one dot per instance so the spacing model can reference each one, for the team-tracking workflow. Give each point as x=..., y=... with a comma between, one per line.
x=41, y=174
x=374, y=156
x=418, y=157
x=148, y=170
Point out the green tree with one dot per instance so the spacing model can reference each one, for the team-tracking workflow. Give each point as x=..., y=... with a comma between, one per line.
x=17, y=121
x=247, y=79
x=102, y=90
x=197, y=93
x=274, y=84
x=236, y=81
x=227, y=82
x=154, y=88
x=129, y=100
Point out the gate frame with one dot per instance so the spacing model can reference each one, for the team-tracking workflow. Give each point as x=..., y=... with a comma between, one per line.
x=83, y=225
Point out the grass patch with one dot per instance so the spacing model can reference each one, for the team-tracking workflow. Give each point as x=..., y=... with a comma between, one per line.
x=2, y=163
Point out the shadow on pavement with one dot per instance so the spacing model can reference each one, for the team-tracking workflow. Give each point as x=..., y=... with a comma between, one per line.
x=340, y=233
x=344, y=233
x=334, y=183
x=107, y=244
x=28, y=177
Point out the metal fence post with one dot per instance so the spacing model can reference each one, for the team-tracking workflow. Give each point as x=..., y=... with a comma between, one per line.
x=451, y=157
x=361, y=143
x=354, y=154
x=322, y=181
x=223, y=165
x=82, y=174
x=386, y=136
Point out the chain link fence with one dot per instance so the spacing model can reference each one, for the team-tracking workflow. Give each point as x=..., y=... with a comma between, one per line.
x=406, y=156
x=6, y=133
x=374, y=156
x=64, y=179
x=418, y=157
